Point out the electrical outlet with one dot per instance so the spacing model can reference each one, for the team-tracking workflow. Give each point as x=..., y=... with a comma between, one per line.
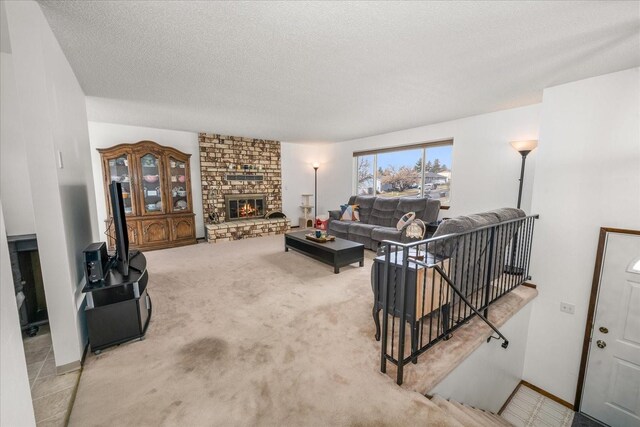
x=565, y=307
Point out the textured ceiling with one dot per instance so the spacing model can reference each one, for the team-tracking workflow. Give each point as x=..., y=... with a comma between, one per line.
x=331, y=71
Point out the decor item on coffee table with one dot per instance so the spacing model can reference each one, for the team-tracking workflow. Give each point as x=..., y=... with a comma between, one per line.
x=379, y=217
x=320, y=238
x=156, y=187
x=338, y=253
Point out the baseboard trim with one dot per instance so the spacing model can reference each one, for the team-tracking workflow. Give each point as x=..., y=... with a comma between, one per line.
x=69, y=367
x=513, y=393
x=530, y=285
x=545, y=393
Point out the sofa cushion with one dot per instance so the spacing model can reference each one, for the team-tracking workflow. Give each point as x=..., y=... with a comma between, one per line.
x=505, y=214
x=410, y=204
x=359, y=229
x=385, y=233
x=341, y=227
x=431, y=211
x=457, y=225
x=365, y=205
x=383, y=212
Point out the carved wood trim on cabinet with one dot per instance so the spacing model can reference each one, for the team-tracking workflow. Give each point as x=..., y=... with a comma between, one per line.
x=159, y=210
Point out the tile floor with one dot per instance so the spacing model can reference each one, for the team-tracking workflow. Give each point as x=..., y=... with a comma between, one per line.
x=52, y=394
x=530, y=408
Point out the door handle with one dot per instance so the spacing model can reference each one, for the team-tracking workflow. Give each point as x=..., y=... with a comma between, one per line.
x=601, y=344
x=603, y=330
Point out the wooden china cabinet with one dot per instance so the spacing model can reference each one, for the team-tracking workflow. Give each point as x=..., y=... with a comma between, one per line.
x=156, y=188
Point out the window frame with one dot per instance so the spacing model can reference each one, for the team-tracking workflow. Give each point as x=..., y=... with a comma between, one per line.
x=422, y=145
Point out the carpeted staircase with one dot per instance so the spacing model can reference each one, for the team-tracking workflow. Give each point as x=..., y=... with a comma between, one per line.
x=469, y=416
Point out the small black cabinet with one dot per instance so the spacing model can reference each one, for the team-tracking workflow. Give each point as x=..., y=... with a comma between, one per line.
x=118, y=308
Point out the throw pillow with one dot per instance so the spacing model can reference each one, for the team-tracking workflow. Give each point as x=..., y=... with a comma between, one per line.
x=406, y=219
x=349, y=213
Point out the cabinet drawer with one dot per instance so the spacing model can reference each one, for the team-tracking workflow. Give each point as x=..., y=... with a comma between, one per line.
x=183, y=227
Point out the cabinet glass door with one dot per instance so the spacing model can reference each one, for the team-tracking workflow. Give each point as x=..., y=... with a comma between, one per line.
x=151, y=183
x=119, y=172
x=179, y=185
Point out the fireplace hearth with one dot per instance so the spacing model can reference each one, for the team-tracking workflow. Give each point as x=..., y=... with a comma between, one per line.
x=244, y=206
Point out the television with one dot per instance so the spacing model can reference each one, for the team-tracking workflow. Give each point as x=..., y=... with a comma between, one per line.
x=121, y=257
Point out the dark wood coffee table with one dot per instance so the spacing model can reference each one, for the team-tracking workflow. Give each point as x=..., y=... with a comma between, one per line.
x=337, y=253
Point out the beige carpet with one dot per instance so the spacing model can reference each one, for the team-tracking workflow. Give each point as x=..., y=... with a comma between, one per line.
x=243, y=333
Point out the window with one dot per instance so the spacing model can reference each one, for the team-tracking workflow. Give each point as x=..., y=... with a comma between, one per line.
x=364, y=174
x=409, y=171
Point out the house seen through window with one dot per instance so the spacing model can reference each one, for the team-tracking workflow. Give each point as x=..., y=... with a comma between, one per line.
x=410, y=171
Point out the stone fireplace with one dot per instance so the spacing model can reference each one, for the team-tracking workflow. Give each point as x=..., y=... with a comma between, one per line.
x=235, y=169
x=244, y=206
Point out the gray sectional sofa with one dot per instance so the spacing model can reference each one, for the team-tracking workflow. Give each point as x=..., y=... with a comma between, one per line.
x=379, y=217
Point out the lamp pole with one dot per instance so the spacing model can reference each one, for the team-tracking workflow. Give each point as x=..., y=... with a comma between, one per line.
x=524, y=159
x=524, y=148
x=316, y=165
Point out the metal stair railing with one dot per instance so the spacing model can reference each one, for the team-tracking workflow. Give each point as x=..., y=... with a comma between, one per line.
x=437, y=285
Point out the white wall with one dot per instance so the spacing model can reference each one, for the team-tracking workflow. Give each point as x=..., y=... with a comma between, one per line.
x=16, y=408
x=485, y=166
x=489, y=375
x=15, y=186
x=104, y=135
x=298, y=176
x=53, y=122
x=587, y=177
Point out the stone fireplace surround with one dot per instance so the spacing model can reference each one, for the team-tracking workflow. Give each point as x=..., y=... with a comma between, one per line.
x=220, y=156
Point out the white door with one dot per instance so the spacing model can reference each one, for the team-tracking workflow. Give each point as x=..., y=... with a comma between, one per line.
x=612, y=384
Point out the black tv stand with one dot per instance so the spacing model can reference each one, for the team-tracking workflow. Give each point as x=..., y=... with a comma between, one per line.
x=118, y=307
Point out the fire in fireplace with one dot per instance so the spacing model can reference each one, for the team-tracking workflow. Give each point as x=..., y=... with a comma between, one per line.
x=244, y=206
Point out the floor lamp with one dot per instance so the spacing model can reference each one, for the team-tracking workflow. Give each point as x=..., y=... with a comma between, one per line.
x=524, y=148
x=315, y=165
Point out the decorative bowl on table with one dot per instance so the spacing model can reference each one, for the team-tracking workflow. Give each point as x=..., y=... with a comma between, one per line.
x=322, y=239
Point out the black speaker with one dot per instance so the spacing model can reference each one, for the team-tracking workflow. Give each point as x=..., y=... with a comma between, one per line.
x=96, y=262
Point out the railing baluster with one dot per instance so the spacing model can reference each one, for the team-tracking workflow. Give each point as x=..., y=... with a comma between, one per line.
x=530, y=244
x=403, y=307
x=385, y=312
x=489, y=274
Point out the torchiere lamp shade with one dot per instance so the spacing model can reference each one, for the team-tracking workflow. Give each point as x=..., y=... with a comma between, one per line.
x=524, y=147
